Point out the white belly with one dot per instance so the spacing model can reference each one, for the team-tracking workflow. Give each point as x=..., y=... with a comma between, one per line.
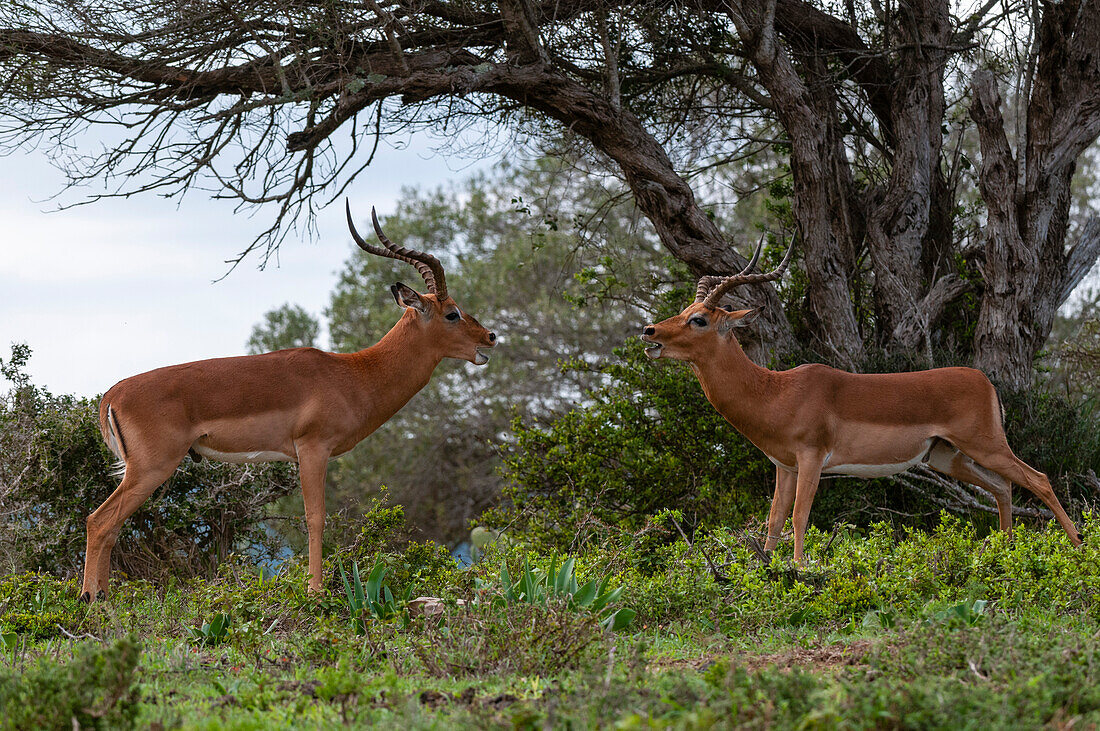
x=871, y=469
x=242, y=457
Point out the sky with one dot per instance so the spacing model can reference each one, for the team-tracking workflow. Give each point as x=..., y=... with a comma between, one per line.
x=107, y=290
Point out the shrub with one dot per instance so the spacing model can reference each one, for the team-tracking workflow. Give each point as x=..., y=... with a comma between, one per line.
x=96, y=689
x=1059, y=437
x=380, y=533
x=34, y=606
x=648, y=441
x=483, y=639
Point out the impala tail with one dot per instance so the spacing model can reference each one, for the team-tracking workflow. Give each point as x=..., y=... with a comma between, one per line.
x=112, y=434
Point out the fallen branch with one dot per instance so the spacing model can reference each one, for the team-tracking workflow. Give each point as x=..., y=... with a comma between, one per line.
x=718, y=576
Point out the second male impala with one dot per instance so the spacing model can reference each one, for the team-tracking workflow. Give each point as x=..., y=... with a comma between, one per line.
x=815, y=420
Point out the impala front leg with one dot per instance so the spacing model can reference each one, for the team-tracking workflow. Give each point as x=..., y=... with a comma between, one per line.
x=785, y=483
x=809, y=474
x=312, y=466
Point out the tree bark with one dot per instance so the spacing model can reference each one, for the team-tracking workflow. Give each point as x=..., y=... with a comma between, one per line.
x=1027, y=267
x=900, y=230
x=819, y=174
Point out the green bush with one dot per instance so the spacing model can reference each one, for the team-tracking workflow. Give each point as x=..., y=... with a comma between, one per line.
x=35, y=606
x=96, y=689
x=648, y=441
x=847, y=575
x=380, y=533
x=1060, y=437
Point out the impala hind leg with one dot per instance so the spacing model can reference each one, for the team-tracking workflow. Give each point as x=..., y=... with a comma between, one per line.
x=105, y=523
x=945, y=458
x=785, y=485
x=312, y=466
x=1005, y=463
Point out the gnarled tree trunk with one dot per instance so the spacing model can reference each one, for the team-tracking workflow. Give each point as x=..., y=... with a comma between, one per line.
x=1028, y=271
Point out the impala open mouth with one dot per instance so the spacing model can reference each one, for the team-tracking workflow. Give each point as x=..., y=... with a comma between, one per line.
x=654, y=349
x=482, y=357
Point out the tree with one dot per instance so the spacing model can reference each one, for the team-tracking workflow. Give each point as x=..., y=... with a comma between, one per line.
x=288, y=326
x=865, y=109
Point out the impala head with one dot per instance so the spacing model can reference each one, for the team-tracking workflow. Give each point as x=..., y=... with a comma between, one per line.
x=457, y=334
x=706, y=323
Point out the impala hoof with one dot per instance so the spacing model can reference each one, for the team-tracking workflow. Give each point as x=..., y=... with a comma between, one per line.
x=86, y=597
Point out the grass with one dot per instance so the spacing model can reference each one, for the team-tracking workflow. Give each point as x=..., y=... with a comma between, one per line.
x=939, y=630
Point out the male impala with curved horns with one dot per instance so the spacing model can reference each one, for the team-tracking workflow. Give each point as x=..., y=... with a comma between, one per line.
x=300, y=405
x=815, y=420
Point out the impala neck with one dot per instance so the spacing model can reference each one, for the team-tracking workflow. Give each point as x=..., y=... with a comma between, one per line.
x=397, y=367
x=738, y=388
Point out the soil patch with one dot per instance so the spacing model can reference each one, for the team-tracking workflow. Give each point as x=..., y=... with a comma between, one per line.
x=826, y=658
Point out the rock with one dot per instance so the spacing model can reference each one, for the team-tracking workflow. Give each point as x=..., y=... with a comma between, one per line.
x=430, y=606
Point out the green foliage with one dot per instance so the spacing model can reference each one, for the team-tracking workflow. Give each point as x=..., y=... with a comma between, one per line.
x=374, y=598
x=380, y=533
x=213, y=632
x=1059, y=437
x=426, y=565
x=33, y=606
x=849, y=574
x=375, y=528
x=649, y=440
x=966, y=613
x=287, y=326
x=535, y=586
x=95, y=689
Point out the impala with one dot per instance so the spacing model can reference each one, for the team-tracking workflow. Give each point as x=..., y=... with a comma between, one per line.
x=300, y=405
x=814, y=420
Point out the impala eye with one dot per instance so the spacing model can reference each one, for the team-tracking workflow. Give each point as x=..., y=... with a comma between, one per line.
x=452, y=315
x=698, y=321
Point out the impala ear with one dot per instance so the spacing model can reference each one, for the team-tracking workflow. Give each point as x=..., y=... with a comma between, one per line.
x=408, y=297
x=737, y=318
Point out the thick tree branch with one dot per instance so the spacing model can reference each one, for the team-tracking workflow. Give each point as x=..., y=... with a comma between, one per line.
x=821, y=179
x=1082, y=257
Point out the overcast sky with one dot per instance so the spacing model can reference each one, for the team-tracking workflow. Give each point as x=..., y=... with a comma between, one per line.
x=107, y=290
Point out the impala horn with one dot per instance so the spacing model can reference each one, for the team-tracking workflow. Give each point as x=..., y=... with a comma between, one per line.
x=726, y=284
x=428, y=266
x=709, y=282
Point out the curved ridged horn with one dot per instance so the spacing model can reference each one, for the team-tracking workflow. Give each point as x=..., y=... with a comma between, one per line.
x=708, y=282
x=428, y=266
x=729, y=283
